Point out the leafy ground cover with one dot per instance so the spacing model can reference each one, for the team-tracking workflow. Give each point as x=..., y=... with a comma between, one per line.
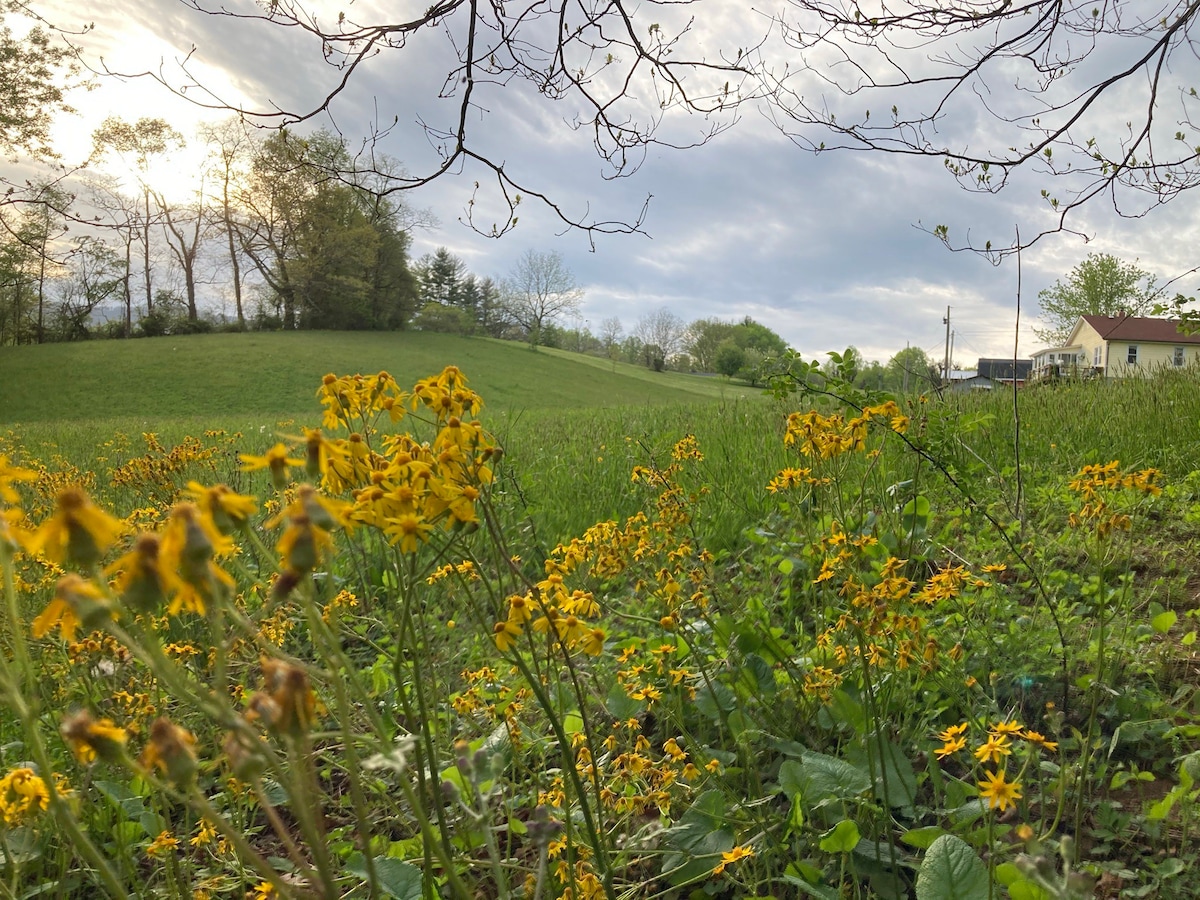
x=834, y=645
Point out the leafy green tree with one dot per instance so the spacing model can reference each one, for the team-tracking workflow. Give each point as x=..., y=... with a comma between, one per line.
x=336, y=247
x=703, y=341
x=490, y=310
x=911, y=369
x=32, y=70
x=729, y=359
x=1101, y=285
x=333, y=255
x=873, y=376
x=705, y=337
x=444, y=319
x=751, y=335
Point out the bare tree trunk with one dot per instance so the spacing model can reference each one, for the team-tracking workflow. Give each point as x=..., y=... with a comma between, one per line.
x=127, y=288
x=146, y=253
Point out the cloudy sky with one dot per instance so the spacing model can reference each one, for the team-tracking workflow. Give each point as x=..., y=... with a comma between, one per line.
x=830, y=249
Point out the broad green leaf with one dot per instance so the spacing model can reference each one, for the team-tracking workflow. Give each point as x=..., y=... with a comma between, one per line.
x=1019, y=887
x=968, y=812
x=821, y=779
x=759, y=676
x=129, y=803
x=848, y=710
x=841, y=838
x=898, y=776
x=396, y=878
x=1163, y=621
x=915, y=516
x=821, y=892
x=697, y=842
x=922, y=838
x=712, y=700
x=951, y=870
x=619, y=704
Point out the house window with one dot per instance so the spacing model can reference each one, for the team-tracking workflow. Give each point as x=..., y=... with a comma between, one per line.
x=1096, y=356
x=1177, y=359
x=1131, y=356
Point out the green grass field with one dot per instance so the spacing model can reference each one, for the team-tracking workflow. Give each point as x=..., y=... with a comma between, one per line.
x=927, y=585
x=232, y=376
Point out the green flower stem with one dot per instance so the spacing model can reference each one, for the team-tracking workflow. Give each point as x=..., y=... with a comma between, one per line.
x=30, y=720
x=280, y=829
x=240, y=844
x=353, y=769
x=307, y=808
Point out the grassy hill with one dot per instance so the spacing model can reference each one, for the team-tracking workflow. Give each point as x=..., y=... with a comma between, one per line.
x=270, y=374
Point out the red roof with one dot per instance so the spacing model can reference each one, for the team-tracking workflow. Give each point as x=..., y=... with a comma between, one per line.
x=1139, y=328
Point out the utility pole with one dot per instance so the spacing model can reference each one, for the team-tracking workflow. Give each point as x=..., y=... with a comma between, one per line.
x=946, y=364
x=904, y=390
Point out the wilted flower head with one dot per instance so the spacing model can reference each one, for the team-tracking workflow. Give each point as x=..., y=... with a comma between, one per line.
x=227, y=511
x=90, y=739
x=139, y=581
x=78, y=532
x=172, y=751
x=76, y=602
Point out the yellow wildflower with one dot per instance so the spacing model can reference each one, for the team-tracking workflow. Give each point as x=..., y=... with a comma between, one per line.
x=729, y=857
x=220, y=505
x=9, y=474
x=138, y=580
x=276, y=459
x=951, y=746
x=1039, y=739
x=994, y=750
x=78, y=531
x=76, y=602
x=90, y=739
x=22, y=793
x=162, y=845
x=999, y=792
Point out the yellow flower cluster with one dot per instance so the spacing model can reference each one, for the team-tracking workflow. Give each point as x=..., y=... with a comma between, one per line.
x=826, y=437
x=354, y=401
x=884, y=624
x=606, y=550
x=994, y=750
x=157, y=473
x=22, y=796
x=1098, y=485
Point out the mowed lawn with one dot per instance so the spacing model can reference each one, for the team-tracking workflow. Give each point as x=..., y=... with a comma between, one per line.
x=233, y=376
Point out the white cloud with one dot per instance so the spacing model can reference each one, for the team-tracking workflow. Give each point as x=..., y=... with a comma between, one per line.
x=822, y=248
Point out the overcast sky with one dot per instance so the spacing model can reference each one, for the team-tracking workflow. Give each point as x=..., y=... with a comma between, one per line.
x=828, y=250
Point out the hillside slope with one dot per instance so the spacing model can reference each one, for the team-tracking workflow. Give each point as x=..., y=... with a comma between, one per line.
x=277, y=374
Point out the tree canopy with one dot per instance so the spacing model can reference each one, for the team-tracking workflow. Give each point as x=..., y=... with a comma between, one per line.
x=1101, y=285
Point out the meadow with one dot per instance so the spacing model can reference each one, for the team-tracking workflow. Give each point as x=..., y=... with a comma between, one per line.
x=515, y=624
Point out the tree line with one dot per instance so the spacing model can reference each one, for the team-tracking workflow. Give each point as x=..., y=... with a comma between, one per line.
x=271, y=232
x=285, y=232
